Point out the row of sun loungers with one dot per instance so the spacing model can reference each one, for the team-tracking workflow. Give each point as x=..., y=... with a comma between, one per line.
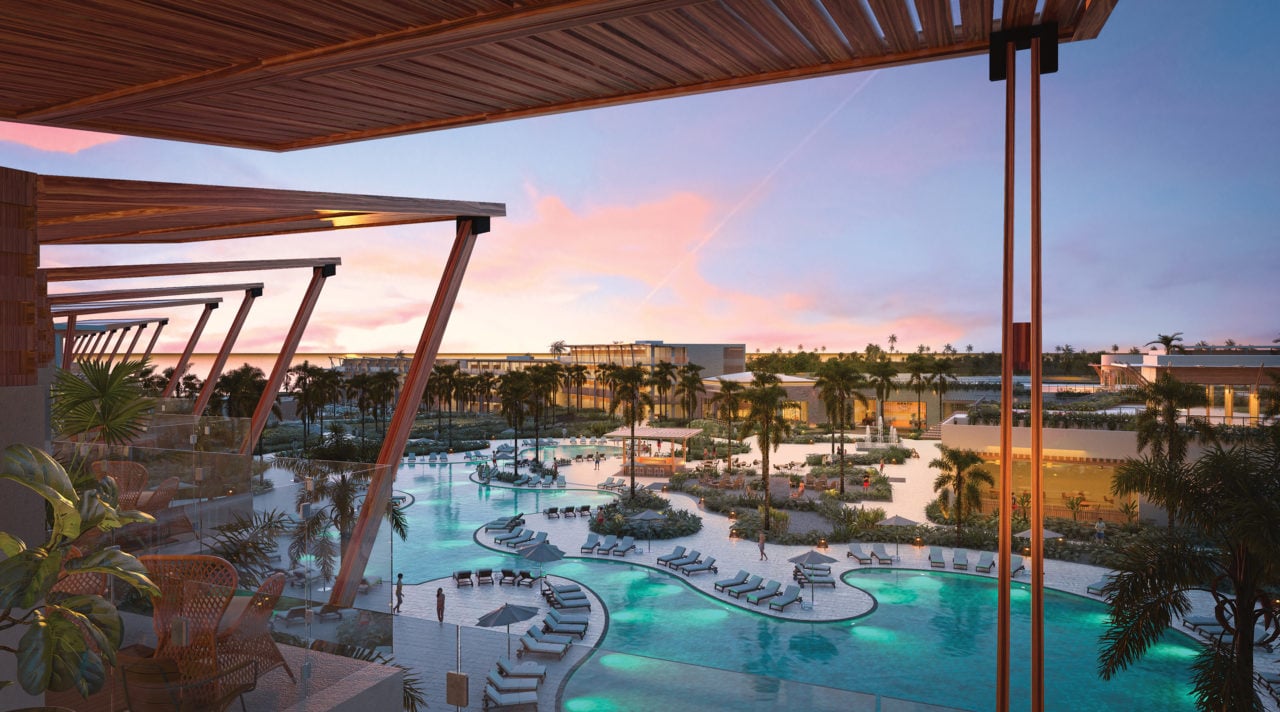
x=569, y=595
x=610, y=544
x=505, y=523
x=540, y=481
x=757, y=591
x=581, y=511
x=520, y=538
x=1212, y=631
x=688, y=563
x=813, y=576
x=614, y=483
x=485, y=576
x=877, y=553
x=511, y=683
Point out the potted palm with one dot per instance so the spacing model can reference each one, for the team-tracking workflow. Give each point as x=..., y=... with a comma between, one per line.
x=69, y=638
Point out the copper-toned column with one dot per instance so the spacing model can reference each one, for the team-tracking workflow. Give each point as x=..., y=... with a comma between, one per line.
x=154, y=338
x=1037, y=402
x=181, y=367
x=379, y=492
x=119, y=342
x=260, y=413
x=134, y=343
x=1003, y=623
x=220, y=362
x=68, y=342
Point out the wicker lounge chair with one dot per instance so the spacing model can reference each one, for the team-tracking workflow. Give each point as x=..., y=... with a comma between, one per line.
x=249, y=637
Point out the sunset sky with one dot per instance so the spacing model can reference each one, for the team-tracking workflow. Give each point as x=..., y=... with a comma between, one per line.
x=827, y=212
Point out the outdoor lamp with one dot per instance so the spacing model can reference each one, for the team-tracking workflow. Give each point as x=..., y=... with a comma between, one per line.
x=733, y=533
x=919, y=542
x=702, y=501
x=732, y=514
x=822, y=543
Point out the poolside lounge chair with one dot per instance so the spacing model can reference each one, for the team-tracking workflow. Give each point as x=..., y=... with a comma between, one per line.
x=676, y=553
x=496, y=698
x=1194, y=622
x=571, y=618
x=593, y=540
x=561, y=481
x=329, y=610
x=569, y=512
x=707, y=564
x=769, y=591
x=526, y=537
x=880, y=555
x=690, y=558
x=986, y=562
x=508, y=576
x=552, y=512
x=935, y=558
x=752, y=584
x=297, y=614
x=562, y=628
x=788, y=597
x=960, y=560
x=606, y=546
x=515, y=684
x=1016, y=565
x=524, y=669
x=560, y=601
x=514, y=534
x=856, y=552
x=560, y=588
x=584, y=509
x=1096, y=587
x=627, y=543
x=741, y=578
x=537, y=634
x=526, y=578
x=529, y=645
x=484, y=576
x=607, y=484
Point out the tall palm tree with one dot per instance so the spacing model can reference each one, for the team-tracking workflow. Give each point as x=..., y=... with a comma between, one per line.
x=576, y=376
x=554, y=375
x=303, y=388
x=766, y=399
x=727, y=404
x=893, y=342
x=1172, y=343
x=330, y=385
x=558, y=347
x=102, y=404
x=663, y=378
x=358, y=389
x=688, y=387
x=544, y=381
x=1228, y=543
x=445, y=386
x=1158, y=426
x=917, y=367
x=514, y=391
x=962, y=472
x=630, y=396
x=941, y=378
x=882, y=374
x=341, y=488
x=241, y=389
x=838, y=383
x=384, y=386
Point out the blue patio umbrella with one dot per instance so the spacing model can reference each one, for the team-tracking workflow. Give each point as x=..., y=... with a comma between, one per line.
x=506, y=614
x=810, y=558
x=541, y=553
x=648, y=516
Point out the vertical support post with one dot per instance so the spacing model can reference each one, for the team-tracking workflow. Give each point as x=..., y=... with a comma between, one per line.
x=68, y=342
x=1037, y=402
x=119, y=342
x=1255, y=407
x=154, y=338
x=134, y=344
x=1228, y=405
x=181, y=367
x=1004, y=604
x=1208, y=404
x=263, y=410
x=379, y=491
x=220, y=361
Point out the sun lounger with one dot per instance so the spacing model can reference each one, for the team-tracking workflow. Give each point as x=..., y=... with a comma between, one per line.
x=856, y=552
x=505, y=524
x=569, y=512
x=935, y=558
x=769, y=591
x=524, y=669
x=880, y=555
x=526, y=578
x=1016, y=565
x=496, y=698
x=788, y=597
x=329, y=610
x=565, y=602
x=584, y=509
x=960, y=560
x=741, y=578
x=537, y=634
x=484, y=576
x=560, y=628
x=508, y=576
x=552, y=512
x=526, y=536
x=514, y=684
x=607, y=484
x=560, y=588
x=676, y=553
x=986, y=562
x=690, y=558
x=1201, y=621
x=606, y=546
x=752, y=584
x=463, y=578
x=571, y=618
x=707, y=564
x=627, y=543
x=593, y=540
x=514, y=534
x=529, y=645
x=1096, y=587
x=561, y=481
x=297, y=614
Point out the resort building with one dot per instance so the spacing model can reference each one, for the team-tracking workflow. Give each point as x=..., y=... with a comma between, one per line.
x=1231, y=378
x=714, y=359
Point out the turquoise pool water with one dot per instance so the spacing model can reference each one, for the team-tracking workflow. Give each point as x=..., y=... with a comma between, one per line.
x=931, y=640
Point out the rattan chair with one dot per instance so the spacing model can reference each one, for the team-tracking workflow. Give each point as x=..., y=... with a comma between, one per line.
x=194, y=593
x=157, y=500
x=131, y=478
x=156, y=685
x=249, y=638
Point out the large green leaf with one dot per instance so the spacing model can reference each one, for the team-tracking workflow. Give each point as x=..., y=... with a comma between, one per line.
x=97, y=616
x=26, y=578
x=53, y=655
x=36, y=470
x=113, y=562
x=11, y=545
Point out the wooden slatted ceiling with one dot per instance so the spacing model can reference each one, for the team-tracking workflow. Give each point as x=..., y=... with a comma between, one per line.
x=93, y=210
x=297, y=73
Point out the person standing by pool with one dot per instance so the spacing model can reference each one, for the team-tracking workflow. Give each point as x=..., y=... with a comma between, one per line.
x=440, y=604
x=399, y=593
x=763, y=556
x=1100, y=531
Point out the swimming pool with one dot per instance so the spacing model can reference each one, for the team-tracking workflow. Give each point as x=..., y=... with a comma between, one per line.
x=931, y=639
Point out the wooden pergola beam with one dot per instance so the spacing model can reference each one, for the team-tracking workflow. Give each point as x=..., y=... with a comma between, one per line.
x=72, y=274
x=181, y=367
x=113, y=307
x=220, y=361
x=154, y=338
x=124, y=294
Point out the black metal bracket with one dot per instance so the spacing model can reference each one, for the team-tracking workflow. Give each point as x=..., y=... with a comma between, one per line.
x=479, y=224
x=328, y=270
x=254, y=292
x=1021, y=38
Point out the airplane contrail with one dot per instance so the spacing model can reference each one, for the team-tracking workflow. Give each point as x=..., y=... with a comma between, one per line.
x=742, y=203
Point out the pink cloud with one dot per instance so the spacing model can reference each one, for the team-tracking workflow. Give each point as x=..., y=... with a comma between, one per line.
x=47, y=138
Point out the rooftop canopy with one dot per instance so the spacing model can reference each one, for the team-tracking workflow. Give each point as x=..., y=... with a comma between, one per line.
x=655, y=433
x=296, y=73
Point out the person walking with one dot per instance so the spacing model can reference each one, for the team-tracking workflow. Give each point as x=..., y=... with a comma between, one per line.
x=763, y=556
x=440, y=604
x=399, y=593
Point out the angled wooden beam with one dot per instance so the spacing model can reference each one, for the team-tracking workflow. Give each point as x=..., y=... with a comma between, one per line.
x=141, y=305
x=72, y=274
x=154, y=338
x=276, y=378
x=68, y=342
x=220, y=362
x=134, y=343
x=378, y=494
x=119, y=342
x=128, y=294
x=181, y=366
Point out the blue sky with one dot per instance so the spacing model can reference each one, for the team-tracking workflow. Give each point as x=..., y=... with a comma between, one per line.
x=827, y=212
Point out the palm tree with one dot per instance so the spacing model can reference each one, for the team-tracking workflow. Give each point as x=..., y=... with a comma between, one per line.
x=444, y=384
x=543, y=381
x=1228, y=502
x=1158, y=425
x=765, y=400
x=941, y=379
x=881, y=374
x=341, y=487
x=102, y=404
x=629, y=395
x=330, y=385
x=662, y=378
x=303, y=387
x=837, y=383
x=241, y=389
x=689, y=387
x=358, y=388
x=1172, y=343
x=555, y=379
x=576, y=376
x=963, y=473
x=514, y=389
x=917, y=367
x=558, y=347
x=727, y=404
x=893, y=342
x=384, y=386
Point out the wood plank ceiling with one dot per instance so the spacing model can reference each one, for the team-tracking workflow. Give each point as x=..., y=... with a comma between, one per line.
x=292, y=74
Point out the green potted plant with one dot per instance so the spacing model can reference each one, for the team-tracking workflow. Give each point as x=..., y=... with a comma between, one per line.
x=69, y=637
